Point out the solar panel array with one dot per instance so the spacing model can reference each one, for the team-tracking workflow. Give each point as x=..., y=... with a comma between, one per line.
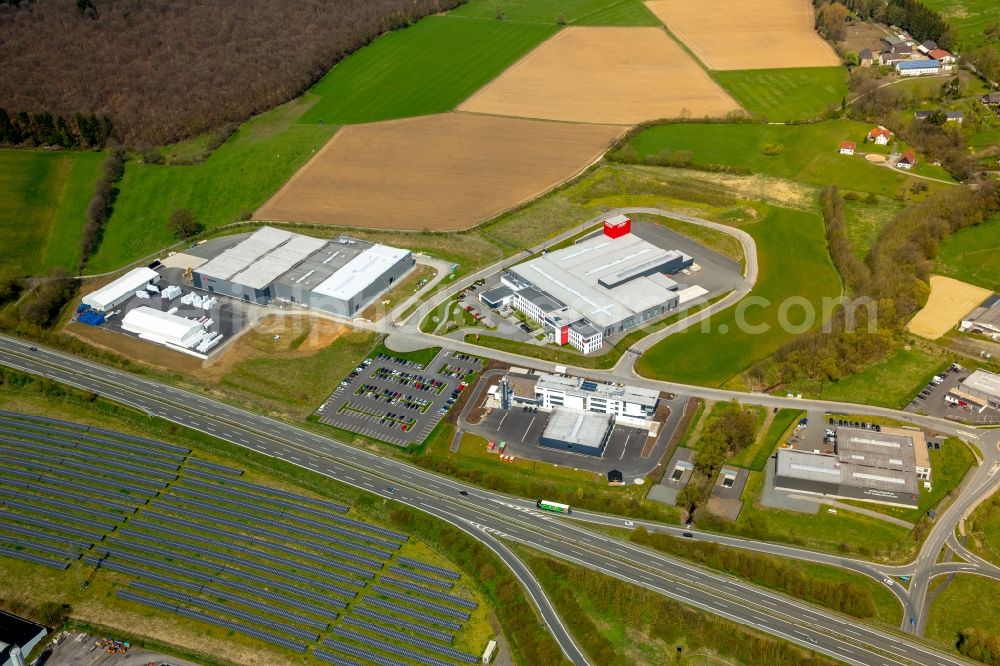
x=195, y=540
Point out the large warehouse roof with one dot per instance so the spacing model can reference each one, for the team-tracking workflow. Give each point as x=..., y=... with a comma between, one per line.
x=577, y=427
x=240, y=256
x=106, y=296
x=984, y=382
x=360, y=272
x=153, y=324
x=267, y=268
x=573, y=276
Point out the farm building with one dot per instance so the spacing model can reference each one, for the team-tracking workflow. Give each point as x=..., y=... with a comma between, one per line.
x=984, y=319
x=941, y=56
x=847, y=147
x=18, y=637
x=918, y=67
x=865, y=58
x=162, y=327
x=600, y=286
x=927, y=46
x=879, y=135
x=339, y=276
x=907, y=160
x=112, y=295
x=578, y=431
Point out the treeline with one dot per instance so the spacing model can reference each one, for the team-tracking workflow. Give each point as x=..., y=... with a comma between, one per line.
x=529, y=639
x=765, y=570
x=580, y=594
x=162, y=70
x=44, y=129
x=729, y=430
x=911, y=15
x=99, y=208
x=979, y=645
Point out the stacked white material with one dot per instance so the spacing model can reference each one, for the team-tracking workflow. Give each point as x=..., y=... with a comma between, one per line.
x=208, y=342
x=153, y=288
x=171, y=292
x=202, y=302
x=142, y=294
x=108, y=296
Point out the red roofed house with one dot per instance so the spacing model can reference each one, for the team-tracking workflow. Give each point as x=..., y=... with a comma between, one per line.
x=847, y=147
x=907, y=160
x=942, y=55
x=879, y=135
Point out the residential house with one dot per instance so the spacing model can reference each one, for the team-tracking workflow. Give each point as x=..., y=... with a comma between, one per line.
x=879, y=135
x=941, y=55
x=954, y=117
x=923, y=115
x=891, y=58
x=847, y=147
x=865, y=58
x=907, y=160
x=991, y=99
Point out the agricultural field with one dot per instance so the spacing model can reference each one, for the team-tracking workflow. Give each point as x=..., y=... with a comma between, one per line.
x=808, y=153
x=781, y=95
x=575, y=77
x=713, y=353
x=443, y=172
x=43, y=208
x=426, y=68
x=971, y=255
x=969, y=17
x=231, y=183
x=949, y=301
x=753, y=34
x=569, y=12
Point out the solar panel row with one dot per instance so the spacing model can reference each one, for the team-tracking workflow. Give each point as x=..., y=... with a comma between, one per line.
x=206, y=604
x=62, y=530
x=69, y=425
x=408, y=612
x=31, y=557
x=398, y=650
x=51, y=496
x=413, y=575
x=270, y=492
x=403, y=637
x=21, y=544
x=335, y=659
x=94, y=470
x=361, y=653
x=33, y=533
x=58, y=453
x=119, y=455
x=54, y=491
x=204, y=464
x=428, y=592
x=266, y=636
x=244, y=495
x=79, y=436
x=102, y=555
x=59, y=515
x=233, y=536
x=430, y=568
x=142, y=572
x=90, y=489
x=80, y=474
x=223, y=589
x=409, y=598
x=391, y=621
x=270, y=609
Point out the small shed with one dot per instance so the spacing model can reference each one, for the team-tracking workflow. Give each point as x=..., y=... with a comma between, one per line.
x=615, y=478
x=847, y=147
x=865, y=58
x=907, y=160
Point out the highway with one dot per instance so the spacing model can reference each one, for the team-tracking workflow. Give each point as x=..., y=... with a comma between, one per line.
x=491, y=516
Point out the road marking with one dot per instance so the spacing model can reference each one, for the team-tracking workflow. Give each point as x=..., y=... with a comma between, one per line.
x=528, y=428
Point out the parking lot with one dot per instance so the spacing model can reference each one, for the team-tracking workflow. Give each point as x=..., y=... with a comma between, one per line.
x=82, y=649
x=398, y=401
x=930, y=401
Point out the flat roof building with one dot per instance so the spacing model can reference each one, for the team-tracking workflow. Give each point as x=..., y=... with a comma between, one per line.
x=629, y=402
x=18, y=633
x=114, y=294
x=985, y=318
x=983, y=385
x=577, y=431
x=163, y=327
x=339, y=276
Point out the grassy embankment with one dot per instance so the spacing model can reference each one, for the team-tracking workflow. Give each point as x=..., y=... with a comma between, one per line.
x=43, y=208
x=969, y=602
x=577, y=12
x=971, y=255
x=781, y=95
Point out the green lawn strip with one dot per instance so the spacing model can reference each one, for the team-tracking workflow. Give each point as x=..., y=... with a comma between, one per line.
x=844, y=532
x=984, y=530
x=236, y=179
x=968, y=602
x=43, y=208
x=780, y=95
x=839, y=589
x=569, y=12
x=807, y=153
x=756, y=456
x=401, y=74
x=971, y=255
x=421, y=356
x=621, y=624
x=865, y=220
x=793, y=262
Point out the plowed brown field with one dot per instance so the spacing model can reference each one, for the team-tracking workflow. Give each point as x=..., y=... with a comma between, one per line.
x=440, y=172
x=604, y=75
x=747, y=34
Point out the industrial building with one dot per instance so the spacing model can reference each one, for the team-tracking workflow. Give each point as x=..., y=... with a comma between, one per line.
x=981, y=390
x=578, y=431
x=114, y=294
x=18, y=637
x=339, y=276
x=550, y=392
x=882, y=466
x=984, y=319
x=163, y=328
x=918, y=67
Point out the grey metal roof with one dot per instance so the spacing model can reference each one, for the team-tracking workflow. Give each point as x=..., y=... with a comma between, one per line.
x=541, y=299
x=983, y=382
x=577, y=427
x=496, y=294
x=240, y=256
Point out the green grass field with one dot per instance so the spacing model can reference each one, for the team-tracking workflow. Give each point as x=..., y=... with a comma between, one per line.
x=779, y=95
x=791, y=251
x=426, y=68
x=570, y=12
x=43, y=208
x=968, y=602
x=808, y=153
x=969, y=17
x=971, y=255
x=239, y=176
x=755, y=456
x=984, y=528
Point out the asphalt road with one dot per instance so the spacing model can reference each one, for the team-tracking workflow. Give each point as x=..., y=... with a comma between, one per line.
x=487, y=515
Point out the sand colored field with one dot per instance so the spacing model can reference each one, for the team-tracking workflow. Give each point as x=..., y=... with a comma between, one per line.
x=440, y=172
x=950, y=300
x=604, y=75
x=747, y=34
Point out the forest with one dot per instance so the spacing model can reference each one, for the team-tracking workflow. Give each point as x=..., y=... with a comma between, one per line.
x=161, y=70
